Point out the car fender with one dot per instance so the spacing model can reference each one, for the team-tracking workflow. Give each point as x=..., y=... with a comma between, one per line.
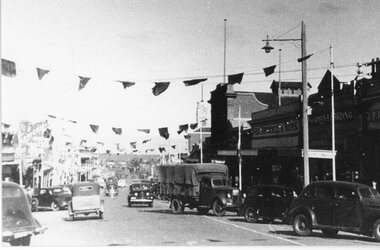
x=307, y=211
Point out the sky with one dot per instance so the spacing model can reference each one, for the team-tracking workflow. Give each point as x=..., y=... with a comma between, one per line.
x=146, y=41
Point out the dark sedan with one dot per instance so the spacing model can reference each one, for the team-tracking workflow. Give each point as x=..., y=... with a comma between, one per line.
x=140, y=193
x=268, y=202
x=55, y=198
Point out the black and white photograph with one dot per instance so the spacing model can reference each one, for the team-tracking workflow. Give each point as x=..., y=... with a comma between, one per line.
x=190, y=123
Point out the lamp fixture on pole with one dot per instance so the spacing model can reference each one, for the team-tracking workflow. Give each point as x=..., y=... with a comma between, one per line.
x=267, y=48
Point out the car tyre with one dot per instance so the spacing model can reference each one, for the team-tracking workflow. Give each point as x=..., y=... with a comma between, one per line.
x=54, y=206
x=24, y=241
x=202, y=210
x=150, y=204
x=330, y=232
x=376, y=230
x=72, y=217
x=100, y=215
x=301, y=225
x=176, y=206
x=250, y=215
x=217, y=208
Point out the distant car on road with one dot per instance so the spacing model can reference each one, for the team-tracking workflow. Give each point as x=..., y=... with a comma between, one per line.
x=122, y=183
x=268, y=202
x=55, y=198
x=18, y=224
x=334, y=206
x=140, y=193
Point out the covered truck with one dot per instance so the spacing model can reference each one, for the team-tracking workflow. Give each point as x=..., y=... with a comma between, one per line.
x=202, y=186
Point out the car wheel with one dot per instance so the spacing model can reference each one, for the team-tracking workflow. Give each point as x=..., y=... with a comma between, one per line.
x=150, y=204
x=34, y=204
x=176, y=206
x=376, y=230
x=100, y=215
x=24, y=241
x=330, y=232
x=217, y=208
x=54, y=206
x=250, y=215
x=301, y=225
x=72, y=217
x=202, y=210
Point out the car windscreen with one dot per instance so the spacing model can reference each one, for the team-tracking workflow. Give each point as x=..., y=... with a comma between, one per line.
x=369, y=193
x=140, y=187
x=220, y=182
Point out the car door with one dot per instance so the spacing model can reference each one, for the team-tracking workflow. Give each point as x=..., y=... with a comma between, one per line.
x=205, y=191
x=276, y=202
x=346, y=207
x=44, y=197
x=323, y=204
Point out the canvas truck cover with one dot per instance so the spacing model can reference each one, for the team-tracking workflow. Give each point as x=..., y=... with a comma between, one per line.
x=187, y=173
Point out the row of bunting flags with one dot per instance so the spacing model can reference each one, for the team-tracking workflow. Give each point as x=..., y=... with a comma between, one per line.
x=8, y=68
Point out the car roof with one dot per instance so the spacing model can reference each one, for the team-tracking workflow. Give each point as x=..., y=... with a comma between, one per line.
x=10, y=184
x=340, y=184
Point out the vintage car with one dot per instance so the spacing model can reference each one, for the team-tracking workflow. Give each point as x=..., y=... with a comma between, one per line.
x=268, y=202
x=55, y=198
x=140, y=193
x=334, y=206
x=111, y=189
x=86, y=199
x=18, y=222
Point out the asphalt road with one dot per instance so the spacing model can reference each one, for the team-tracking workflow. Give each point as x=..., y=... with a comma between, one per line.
x=157, y=226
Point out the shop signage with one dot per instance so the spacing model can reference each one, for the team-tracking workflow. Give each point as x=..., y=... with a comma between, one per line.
x=278, y=128
x=319, y=153
x=324, y=118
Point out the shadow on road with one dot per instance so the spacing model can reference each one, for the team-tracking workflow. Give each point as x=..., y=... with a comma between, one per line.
x=84, y=218
x=321, y=235
x=257, y=222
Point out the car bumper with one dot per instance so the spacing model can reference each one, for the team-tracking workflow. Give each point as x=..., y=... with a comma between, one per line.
x=141, y=201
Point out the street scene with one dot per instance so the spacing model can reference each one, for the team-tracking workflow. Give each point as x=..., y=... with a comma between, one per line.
x=190, y=123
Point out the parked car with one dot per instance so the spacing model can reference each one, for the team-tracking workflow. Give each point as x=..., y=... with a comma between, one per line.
x=140, y=193
x=55, y=198
x=334, y=206
x=268, y=202
x=86, y=199
x=18, y=224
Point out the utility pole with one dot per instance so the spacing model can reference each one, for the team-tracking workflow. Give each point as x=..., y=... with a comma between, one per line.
x=279, y=78
x=332, y=114
x=239, y=153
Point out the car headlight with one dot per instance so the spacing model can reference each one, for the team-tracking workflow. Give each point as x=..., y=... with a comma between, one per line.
x=244, y=195
x=147, y=194
x=136, y=194
x=228, y=195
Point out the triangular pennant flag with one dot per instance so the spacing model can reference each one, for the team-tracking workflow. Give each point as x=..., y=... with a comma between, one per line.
x=304, y=58
x=182, y=128
x=41, y=73
x=72, y=121
x=194, y=82
x=145, y=141
x=6, y=125
x=52, y=116
x=164, y=132
x=47, y=133
x=14, y=140
x=94, y=128
x=93, y=150
x=67, y=143
x=150, y=149
x=127, y=84
x=269, y=70
x=117, y=131
x=147, y=131
x=237, y=78
x=193, y=125
x=133, y=145
x=82, y=142
x=51, y=140
x=83, y=81
x=186, y=136
x=8, y=68
x=173, y=146
x=162, y=149
x=160, y=87
x=101, y=143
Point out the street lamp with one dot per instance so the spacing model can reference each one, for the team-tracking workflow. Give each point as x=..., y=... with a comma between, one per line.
x=305, y=106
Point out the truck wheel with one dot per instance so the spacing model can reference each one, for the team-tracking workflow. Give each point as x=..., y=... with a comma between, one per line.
x=301, y=225
x=202, y=210
x=376, y=230
x=54, y=206
x=250, y=215
x=217, y=208
x=24, y=241
x=176, y=206
x=330, y=232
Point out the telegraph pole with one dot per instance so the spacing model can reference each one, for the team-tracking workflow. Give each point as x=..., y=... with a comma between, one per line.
x=332, y=114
